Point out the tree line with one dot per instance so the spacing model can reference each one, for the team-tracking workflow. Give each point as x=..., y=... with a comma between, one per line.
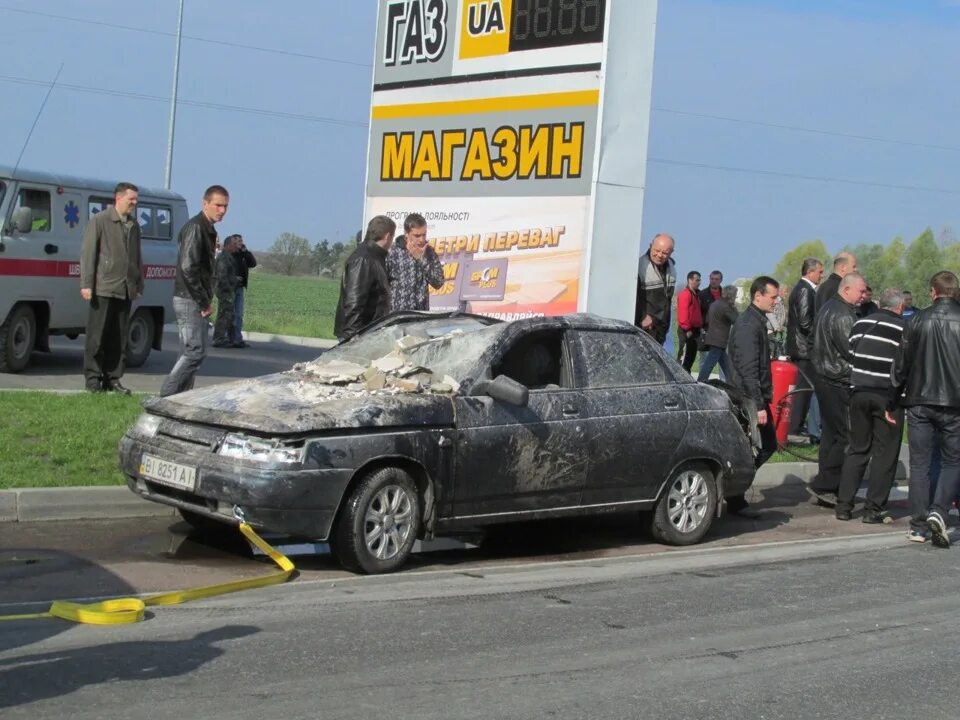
x=292, y=254
x=907, y=266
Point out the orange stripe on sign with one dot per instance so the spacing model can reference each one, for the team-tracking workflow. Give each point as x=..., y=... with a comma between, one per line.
x=545, y=101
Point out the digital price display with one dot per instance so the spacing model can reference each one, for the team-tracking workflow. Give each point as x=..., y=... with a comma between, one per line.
x=540, y=24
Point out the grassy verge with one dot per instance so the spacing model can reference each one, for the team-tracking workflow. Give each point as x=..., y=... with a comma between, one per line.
x=54, y=440
x=290, y=305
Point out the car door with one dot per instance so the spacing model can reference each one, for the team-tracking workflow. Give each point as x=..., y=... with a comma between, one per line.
x=513, y=461
x=637, y=414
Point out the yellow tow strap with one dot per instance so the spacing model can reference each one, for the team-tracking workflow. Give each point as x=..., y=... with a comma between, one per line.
x=130, y=610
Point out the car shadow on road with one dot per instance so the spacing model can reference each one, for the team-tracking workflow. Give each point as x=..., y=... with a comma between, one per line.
x=42, y=676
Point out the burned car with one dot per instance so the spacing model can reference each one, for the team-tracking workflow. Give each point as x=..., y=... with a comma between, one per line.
x=438, y=424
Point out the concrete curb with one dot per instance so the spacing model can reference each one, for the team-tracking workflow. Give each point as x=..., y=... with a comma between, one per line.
x=111, y=503
x=171, y=329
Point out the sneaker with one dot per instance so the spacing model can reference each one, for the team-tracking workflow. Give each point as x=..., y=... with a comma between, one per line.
x=938, y=530
x=116, y=387
x=917, y=536
x=843, y=514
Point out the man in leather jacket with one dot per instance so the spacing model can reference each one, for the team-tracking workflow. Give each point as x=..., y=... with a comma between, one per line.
x=801, y=312
x=927, y=371
x=365, y=287
x=193, y=288
x=750, y=372
x=843, y=264
x=831, y=361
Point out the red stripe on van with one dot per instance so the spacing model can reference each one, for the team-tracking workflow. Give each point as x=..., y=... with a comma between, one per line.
x=60, y=268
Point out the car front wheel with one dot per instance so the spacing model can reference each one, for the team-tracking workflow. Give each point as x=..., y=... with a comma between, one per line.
x=686, y=508
x=379, y=522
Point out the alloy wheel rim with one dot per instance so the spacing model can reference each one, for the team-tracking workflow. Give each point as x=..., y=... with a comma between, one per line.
x=388, y=522
x=687, y=501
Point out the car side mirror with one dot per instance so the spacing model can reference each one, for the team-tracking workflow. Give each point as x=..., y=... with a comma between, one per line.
x=23, y=219
x=507, y=390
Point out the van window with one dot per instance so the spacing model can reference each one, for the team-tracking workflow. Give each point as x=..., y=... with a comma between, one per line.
x=155, y=221
x=97, y=205
x=39, y=202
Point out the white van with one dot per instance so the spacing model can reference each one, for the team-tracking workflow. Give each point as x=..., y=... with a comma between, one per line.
x=43, y=217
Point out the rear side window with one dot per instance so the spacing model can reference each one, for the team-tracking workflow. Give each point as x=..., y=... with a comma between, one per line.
x=155, y=220
x=39, y=202
x=618, y=359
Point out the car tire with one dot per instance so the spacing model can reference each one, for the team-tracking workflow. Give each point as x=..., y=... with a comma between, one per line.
x=139, y=337
x=379, y=523
x=18, y=336
x=687, y=506
x=202, y=522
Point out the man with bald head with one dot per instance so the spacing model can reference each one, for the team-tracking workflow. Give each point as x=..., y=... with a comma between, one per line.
x=831, y=361
x=843, y=264
x=656, y=282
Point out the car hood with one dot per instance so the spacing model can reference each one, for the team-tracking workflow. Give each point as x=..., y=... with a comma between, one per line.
x=291, y=403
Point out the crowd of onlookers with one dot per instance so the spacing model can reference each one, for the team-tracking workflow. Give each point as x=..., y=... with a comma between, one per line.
x=866, y=368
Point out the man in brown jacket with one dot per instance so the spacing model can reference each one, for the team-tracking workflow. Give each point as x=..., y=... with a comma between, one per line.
x=111, y=277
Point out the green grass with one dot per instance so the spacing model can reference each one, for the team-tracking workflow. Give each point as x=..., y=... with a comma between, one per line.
x=56, y=440
x=290, y=305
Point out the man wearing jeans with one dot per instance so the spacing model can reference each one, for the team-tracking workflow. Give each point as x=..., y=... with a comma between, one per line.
x=193, y=289
x=927, y=369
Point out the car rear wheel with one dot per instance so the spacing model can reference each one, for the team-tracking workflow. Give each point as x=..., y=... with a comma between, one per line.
x=379, y=522
x=687, y=507
x=18, y=335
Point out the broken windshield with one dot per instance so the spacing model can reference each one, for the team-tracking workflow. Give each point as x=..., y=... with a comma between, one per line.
x=444, y=346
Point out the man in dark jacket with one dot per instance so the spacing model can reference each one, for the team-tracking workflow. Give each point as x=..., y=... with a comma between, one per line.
x=227, y=282
x=873, y=439
x=750, y=371
x=193, y=288
x=710, y=294
x=111, y=277
x=720, y=319
x=831, y=361
x=927, y=369
x=801, y=313
x=843, y=264
x=656, y=281
x=245, y=261
x=365, y=288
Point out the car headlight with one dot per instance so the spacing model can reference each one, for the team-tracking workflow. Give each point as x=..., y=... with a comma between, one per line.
x=147, y=425
x=259, y=450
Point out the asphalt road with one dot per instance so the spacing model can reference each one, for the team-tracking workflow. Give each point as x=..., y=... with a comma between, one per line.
x=859, y=627
x=62, y=369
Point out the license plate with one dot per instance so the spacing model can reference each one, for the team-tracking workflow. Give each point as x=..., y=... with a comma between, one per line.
x=182, y=477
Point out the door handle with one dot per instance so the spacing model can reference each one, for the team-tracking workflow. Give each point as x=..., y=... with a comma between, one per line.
x=569, y=409
x=50, y=249
x=671, y=404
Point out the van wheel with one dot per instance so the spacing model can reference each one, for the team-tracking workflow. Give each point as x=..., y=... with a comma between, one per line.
x=18, y=335
x=139, y=337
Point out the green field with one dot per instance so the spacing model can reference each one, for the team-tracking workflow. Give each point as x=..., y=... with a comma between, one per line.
x=291, y=305
x=54, y=440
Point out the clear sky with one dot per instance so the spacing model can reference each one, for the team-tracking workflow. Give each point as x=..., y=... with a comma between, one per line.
x=774, y=121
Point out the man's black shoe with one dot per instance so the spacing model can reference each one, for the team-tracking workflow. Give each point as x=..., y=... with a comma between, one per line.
x=117, y=388
x=96, y=389
x=221, y=343
x=239, y=344
x=843, y=515
x=823, y=497
x=877, y=518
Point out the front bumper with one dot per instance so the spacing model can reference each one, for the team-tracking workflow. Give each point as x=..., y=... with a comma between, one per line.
x=295, y=501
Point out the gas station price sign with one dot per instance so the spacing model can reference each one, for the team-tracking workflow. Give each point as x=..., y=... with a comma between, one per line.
x=486, y=118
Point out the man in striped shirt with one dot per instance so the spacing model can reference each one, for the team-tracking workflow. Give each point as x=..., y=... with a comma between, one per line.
x=873, y=439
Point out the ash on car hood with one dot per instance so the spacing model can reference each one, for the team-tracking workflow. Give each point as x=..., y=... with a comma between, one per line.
x=290, y=402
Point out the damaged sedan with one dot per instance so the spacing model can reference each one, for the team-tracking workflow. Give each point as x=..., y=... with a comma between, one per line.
x=428, y=424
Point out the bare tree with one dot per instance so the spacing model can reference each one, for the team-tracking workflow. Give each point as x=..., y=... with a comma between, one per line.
x=289, y=255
